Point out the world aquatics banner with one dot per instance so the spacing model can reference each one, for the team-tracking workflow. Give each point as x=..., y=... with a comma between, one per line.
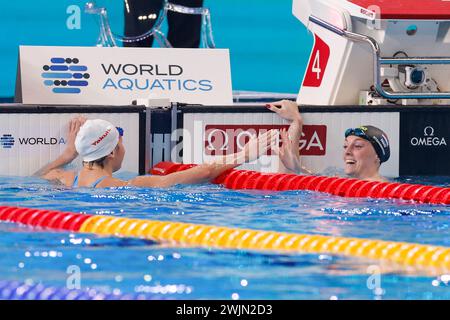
x=117, y=76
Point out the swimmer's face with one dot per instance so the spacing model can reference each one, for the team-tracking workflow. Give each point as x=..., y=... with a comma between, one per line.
x=119, y=154
x=360, y=158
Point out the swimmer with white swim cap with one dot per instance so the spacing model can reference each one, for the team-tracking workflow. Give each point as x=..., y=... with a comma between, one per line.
x=99, y=143
x=365, y=147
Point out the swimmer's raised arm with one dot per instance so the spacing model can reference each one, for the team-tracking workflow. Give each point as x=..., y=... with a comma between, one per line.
x=50, y=171
x=209, y=171
x=289, y=151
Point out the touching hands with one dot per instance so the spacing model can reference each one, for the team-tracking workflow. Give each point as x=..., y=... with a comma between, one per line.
x=258, y=146
x=289, y=153
x=253, y=149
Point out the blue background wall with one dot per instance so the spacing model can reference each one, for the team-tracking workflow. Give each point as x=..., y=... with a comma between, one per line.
x=269, y=47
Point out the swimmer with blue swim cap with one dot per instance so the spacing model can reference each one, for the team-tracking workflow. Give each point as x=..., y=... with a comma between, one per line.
x=99, y=144
x=365, y=147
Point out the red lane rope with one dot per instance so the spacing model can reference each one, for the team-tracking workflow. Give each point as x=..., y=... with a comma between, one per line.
x=344, y=187
x=44, y=218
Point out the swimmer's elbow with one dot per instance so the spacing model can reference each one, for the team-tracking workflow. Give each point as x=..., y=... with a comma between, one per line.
x=207, y=172
x=51, y=175
x=199, y=174
x=210, y=171
x=150, y=182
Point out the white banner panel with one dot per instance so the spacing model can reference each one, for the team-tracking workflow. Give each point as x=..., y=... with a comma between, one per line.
x=117, y=76
x=321, y=143
x=30, y=141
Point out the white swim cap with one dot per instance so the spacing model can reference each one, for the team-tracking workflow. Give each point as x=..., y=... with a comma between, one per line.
x=96, y=139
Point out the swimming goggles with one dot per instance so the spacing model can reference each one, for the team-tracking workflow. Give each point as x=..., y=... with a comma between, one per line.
x=359, y=132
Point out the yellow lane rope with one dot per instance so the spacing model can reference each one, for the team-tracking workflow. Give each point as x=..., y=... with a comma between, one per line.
x=407, y=254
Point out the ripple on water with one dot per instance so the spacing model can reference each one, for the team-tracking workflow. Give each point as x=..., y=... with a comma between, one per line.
x=135, y=265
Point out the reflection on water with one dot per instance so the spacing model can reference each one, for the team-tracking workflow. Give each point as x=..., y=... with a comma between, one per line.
x=141, y=266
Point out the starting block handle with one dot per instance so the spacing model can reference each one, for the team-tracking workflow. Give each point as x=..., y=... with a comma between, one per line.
x=378, y=61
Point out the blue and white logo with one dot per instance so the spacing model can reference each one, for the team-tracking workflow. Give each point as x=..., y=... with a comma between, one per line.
x=65, y=75
x=7, y=141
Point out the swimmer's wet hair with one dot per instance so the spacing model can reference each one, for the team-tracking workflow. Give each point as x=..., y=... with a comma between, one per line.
x=99, y=162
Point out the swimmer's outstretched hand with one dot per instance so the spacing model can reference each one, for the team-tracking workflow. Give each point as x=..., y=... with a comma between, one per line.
x=70, y=153
x=259, y=146
x=253, y=149
x=286, y=109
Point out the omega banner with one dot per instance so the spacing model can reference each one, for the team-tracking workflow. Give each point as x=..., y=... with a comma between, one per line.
x=320, y=144
x=117, y=76
x=425, y=144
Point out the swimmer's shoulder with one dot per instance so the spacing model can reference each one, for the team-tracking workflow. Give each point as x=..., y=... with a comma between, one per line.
x=380, y=178
x=61, y=176
x=111, y=182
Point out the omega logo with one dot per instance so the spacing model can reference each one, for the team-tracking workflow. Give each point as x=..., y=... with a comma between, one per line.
x=428, y=131
x=428, y=139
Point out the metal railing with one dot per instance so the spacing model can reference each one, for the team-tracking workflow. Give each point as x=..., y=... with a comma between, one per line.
x=378, y=61
x=107, y=38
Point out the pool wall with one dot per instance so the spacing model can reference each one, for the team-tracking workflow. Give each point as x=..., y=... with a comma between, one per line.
x=419, y=138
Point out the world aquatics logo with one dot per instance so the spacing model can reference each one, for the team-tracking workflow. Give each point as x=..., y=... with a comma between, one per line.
x=65, y=75
x=7, y=141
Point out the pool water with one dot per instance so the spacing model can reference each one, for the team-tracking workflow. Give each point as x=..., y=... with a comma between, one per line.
x=174, y=272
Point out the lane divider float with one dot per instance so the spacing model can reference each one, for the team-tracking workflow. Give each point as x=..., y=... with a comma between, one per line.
x=344, y=187
x=433, y=258
x=16, y=290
